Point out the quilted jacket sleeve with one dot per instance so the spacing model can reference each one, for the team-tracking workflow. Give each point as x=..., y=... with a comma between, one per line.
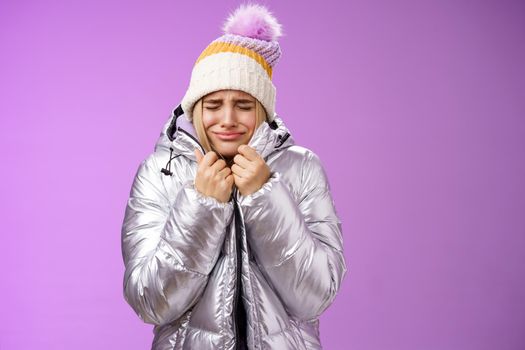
x=168, y=249
x=298, y=245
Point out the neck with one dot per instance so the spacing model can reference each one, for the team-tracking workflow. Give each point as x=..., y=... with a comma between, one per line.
x=229, y=162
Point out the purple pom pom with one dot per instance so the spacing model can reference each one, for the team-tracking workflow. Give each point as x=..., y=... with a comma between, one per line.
x=254, y=21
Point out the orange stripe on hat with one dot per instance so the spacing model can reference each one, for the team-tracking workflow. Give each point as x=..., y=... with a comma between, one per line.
x=219, y=46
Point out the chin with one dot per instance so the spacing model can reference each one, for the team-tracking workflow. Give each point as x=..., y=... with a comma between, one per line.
x=228, y=151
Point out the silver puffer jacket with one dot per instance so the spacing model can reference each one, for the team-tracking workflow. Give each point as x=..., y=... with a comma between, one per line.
x=260, y=268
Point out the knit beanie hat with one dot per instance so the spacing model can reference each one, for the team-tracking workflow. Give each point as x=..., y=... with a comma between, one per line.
x=241, y=59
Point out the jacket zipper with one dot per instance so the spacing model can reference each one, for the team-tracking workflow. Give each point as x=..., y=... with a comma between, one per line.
x=237, y=244
x=239, y=257
x=238, y=275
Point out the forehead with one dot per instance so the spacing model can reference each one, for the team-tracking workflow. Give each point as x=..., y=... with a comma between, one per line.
x=229, y=95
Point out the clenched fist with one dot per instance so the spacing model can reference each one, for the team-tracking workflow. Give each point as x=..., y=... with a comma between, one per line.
x=213, y=178
x=250, y=171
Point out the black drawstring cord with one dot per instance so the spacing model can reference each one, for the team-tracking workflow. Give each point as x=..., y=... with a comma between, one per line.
x=167, y=170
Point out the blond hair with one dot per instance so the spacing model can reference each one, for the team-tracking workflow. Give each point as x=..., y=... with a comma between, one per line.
x=260, y=117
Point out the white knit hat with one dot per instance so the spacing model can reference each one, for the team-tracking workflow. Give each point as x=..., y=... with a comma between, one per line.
x=241, y=59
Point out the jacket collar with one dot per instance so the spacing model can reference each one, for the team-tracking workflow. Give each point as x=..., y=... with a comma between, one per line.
x=179, y=134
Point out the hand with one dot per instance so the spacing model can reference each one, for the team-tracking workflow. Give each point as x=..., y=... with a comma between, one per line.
x=213, y=177
x=250, y=171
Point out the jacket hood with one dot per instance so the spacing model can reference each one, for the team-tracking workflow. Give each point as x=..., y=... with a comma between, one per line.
x=179, y=135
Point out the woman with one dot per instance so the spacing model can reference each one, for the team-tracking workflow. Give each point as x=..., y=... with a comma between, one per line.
x=230, y=238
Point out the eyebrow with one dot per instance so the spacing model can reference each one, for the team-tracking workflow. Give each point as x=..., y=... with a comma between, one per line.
x=219, y=100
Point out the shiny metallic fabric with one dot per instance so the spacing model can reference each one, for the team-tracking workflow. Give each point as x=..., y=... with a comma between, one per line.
x=190, y=259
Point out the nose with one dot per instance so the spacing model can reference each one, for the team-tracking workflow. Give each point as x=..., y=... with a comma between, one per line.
x=228, y=118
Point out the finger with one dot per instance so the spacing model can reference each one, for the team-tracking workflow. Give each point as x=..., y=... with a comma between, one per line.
x=229, y=179
x=248, y=152
x=198, y=155
x=230, y=182
x=240, y=172
x=237, y=179
x=218, y=165
x=241, y=160
x=209, y=158
x=225, y=172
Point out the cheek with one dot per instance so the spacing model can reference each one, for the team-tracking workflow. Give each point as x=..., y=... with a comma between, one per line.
x=208, y=119
x=249, y=121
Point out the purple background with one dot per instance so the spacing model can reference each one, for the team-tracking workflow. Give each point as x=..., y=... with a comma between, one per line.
x=416, y=109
